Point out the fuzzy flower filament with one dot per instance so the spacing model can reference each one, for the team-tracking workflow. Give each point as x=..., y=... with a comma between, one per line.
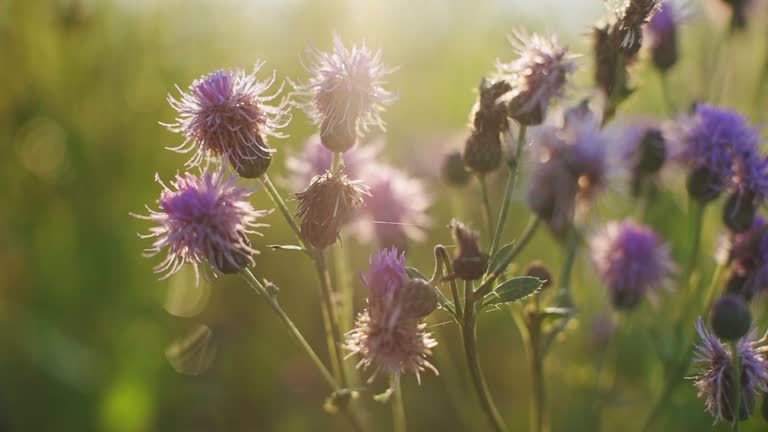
x=200, y=219
x=345, y=95
x=225, y=114
x=390, y=335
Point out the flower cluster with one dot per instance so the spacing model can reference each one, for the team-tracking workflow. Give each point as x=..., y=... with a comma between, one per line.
x=389, y=334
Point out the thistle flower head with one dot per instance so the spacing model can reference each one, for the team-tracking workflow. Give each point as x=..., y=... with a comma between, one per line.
x=482, y=149
x=715, y=378
x=315, y=159
x=631, y=260
x=325, y=205
x=469, y=263
x=225, y=114
x=723, y=142
x=201, y=219
x=389, y=335
x=536, y=77
x=632, y=15
x=396, y=209
x=345, y=94
x=568, y=167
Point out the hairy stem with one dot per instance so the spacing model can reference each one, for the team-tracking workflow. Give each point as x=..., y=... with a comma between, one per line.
x=508, y=189
x=486, y=204
x=254, y=283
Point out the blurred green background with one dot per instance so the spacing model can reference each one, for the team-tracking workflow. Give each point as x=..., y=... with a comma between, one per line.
x=84, y=323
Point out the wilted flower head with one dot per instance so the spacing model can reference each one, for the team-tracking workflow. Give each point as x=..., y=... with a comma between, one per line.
x=722, y=142
x=715, y=379
x=396, y=209
x=632, y=15
x=568, y=167
x=344, y=95
x=631, y=260
x=224, y=114
x=469, y=263
x=325, y=205
x=482, y=150
x=536, y=77
x=389, y=335
x=203, y=219
x=315, y=159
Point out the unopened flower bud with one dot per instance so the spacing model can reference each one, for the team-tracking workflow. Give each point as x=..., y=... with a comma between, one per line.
x=739, y=211
x=652, y=152
x=418, y=298
x=253, y=167
x=326, y=204
x=704, y=185
x=539, y=270
x=482, y=150
x=453, y=171
x=468, y=262
x=731, y=318
x=739, y=285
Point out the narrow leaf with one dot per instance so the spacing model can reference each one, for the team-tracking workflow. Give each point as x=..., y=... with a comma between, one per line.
x=513, y=290
x=286, y=247
x=496, y=266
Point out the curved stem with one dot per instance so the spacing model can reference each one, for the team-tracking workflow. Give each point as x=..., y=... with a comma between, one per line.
x=487, y=284
x=508, y=189
x=470, y=349
x=398, y=410
x=297, y=336
x=280, y=204
x=443, y=255
x=486, y=204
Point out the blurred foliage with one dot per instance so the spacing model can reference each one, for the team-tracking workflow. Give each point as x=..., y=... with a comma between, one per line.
x=83, y=328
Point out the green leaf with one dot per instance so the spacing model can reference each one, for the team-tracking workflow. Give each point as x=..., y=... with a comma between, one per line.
x=496, y=266
x=414, y=273
x=513, y=290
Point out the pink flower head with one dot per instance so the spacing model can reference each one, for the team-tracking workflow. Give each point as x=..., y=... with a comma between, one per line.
x=344, y=95
x=200, y=219
x=537, y=76
x=395, y=212
x=386, y=335
x=631, y=260
x=224, y=114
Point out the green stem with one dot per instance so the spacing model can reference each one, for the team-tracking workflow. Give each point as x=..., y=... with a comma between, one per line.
x=470, y=349
x=486, y=204
x=736, y=383
x=280, y=204
x=330, y=318
x=336, y=162
x=442, y=254
x=298, y=337
x=508, y=189
x=665, y=93
x=398, y=409
x=698, y=219
x=487, y=284
x=564, y=283
x=536, y=364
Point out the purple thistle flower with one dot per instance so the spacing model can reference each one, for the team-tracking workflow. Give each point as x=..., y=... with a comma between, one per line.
x=345, y=96
x=715, y=379
x=536, y=77
x=631, y=261
x=315, y=159
x=201, y=219
x=723, y=142
x=225, y=114
x=396, y=209
x=568, y=167
x=386, y=335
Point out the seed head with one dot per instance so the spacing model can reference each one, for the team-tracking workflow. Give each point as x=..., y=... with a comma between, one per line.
x=225, y=114
x=345, y=95
x=326, y=204
x=202, y=219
